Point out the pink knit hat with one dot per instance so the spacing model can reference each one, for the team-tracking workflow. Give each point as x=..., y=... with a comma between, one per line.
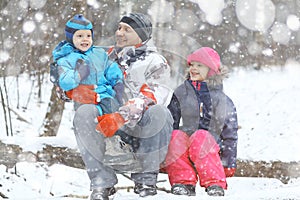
x=208, y=57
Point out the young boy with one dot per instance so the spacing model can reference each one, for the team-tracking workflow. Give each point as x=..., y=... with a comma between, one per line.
x=85, y=72
x=204, y=146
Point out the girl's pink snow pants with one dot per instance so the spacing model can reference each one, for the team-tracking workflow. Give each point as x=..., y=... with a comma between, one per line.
x=195, y=155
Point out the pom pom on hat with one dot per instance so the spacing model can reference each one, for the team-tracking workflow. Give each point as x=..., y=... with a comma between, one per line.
x=78, y=22
x=140, y=23
x=208, y=57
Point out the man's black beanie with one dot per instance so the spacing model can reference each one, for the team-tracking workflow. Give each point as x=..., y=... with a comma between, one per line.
x=140, y=23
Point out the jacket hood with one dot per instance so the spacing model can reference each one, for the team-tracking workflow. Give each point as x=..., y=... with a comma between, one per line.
x=149, y=46
x=62, y=49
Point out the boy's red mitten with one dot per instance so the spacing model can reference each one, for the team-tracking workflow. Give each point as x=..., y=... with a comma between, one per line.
x=108, y=124
x=229, y=172
x=84, y=94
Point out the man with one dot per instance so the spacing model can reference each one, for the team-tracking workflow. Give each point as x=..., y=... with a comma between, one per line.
x=142, y=126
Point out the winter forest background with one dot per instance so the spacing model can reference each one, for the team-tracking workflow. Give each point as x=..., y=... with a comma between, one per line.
x=246, y=33
x=256, y=35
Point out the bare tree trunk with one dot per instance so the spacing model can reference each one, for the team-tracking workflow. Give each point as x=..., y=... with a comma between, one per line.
x=54, y=115
x=4, y=112
x=8, y=117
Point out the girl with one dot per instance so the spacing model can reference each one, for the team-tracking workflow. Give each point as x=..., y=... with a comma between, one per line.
x=204, y=146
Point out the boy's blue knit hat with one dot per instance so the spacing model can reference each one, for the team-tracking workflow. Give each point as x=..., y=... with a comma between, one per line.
x=78, y=22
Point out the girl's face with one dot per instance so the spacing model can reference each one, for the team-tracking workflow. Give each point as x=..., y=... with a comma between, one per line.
x=126, y=36
x=82, y=39
x=198, y=71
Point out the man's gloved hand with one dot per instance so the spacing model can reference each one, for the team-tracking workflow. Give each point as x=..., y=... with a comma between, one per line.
x=129, y=114
x=229, y=172
x=108, y=124
x=84, y=94
x=132, y=111
x=83, y=69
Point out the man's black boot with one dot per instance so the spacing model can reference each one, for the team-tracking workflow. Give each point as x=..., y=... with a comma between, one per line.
x=102, y=193
x=145, y=190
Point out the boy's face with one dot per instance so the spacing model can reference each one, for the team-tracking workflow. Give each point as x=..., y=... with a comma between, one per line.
x=198, y=71
x=82, y=39
x=126, y=36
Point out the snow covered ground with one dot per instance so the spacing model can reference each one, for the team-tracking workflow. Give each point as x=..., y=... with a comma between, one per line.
x=267, y=105
x=39, y=182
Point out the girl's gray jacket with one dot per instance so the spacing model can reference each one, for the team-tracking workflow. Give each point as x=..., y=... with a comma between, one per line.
x=209, y=109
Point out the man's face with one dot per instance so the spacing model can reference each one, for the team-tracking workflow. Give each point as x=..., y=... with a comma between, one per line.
x=82, y=39
x=126, y=36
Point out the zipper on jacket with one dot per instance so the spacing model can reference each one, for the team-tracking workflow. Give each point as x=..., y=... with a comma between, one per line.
x=201, y=109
